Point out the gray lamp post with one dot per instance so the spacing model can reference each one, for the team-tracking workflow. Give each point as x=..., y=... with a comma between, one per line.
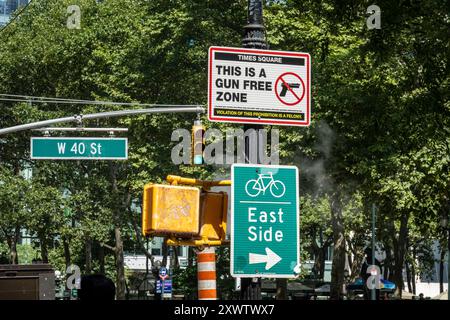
x=444, y=224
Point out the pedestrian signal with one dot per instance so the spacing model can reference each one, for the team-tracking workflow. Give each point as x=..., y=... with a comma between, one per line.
x=213, y=216
x=170, y=210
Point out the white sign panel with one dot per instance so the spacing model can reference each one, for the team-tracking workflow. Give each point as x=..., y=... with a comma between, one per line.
x=259, y=86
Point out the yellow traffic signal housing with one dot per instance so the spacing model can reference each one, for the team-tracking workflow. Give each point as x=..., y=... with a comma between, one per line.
x=213, y=222
x=170, y=210
x=213, y=216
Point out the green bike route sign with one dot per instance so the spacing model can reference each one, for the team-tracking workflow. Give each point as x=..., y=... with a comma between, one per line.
x=264, y=221
x=70, y=148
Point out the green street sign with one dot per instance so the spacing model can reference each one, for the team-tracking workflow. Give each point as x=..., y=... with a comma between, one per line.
x=69, y=148
x=264, y=221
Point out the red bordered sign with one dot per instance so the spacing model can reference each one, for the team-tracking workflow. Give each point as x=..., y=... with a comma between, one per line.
x=259, y=86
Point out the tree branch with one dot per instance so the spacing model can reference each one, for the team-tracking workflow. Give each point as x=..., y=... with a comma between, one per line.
x=139, y=240
x=314, y=244
x=104, y=245
x=328, y=242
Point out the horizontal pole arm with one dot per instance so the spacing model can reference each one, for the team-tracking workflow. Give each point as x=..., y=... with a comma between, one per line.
x=110, y=114
x=196, y=182
x=196, y=243
x=82, y=129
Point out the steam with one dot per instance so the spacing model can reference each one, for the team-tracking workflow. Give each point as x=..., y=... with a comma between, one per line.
x=315, y=168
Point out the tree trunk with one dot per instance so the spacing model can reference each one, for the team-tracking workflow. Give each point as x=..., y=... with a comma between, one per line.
x=441, y=270
x=176, y=262
x=350, y=258
x=408, y=276
x=281, y=289
x=319, y=263
x=118, y=206
x=172, y=257
x=66, y=251
x=88, y=255
x=355, y=259
x=407, y=267
x=338, y=266
x=141, y=243
x=399, y=253
x=413, y=270
x=44, y=248
x=165, y=251
x=191, y=255
x=120, y=270
x=318, y=257
x=387, y=262
x=101, y=259
x=13, y=256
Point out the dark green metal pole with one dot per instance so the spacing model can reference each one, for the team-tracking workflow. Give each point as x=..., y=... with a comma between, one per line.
x=373, y=293
x=254, y=37
x=254, y=31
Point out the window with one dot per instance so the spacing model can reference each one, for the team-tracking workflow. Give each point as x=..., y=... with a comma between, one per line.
x=9, y=6
x=156, y=251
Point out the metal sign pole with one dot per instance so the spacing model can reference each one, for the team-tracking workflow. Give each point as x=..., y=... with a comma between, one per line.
x=254, y=37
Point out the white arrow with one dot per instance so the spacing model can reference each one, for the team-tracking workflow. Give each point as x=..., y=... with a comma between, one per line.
x=270, y=258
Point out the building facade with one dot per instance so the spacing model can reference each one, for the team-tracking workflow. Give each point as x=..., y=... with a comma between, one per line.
x=7, y=7
x=136, y=261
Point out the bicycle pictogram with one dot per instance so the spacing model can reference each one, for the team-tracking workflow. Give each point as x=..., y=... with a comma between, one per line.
x=254, y=187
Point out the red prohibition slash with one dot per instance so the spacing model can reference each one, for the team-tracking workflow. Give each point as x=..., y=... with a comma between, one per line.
x=280, y=78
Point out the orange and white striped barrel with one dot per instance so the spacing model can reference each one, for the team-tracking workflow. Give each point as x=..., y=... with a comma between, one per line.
x=206, y=273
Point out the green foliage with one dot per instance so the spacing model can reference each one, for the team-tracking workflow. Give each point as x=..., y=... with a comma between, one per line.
x=185, y=281
x=225, y=282
x=4, y=252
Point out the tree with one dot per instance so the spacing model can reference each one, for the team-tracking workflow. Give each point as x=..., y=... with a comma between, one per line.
x=45, y=208
x=369, y=86
x=316, y=231
x=13, y=213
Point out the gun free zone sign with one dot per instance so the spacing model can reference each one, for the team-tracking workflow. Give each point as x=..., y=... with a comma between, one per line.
x=259, y=86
